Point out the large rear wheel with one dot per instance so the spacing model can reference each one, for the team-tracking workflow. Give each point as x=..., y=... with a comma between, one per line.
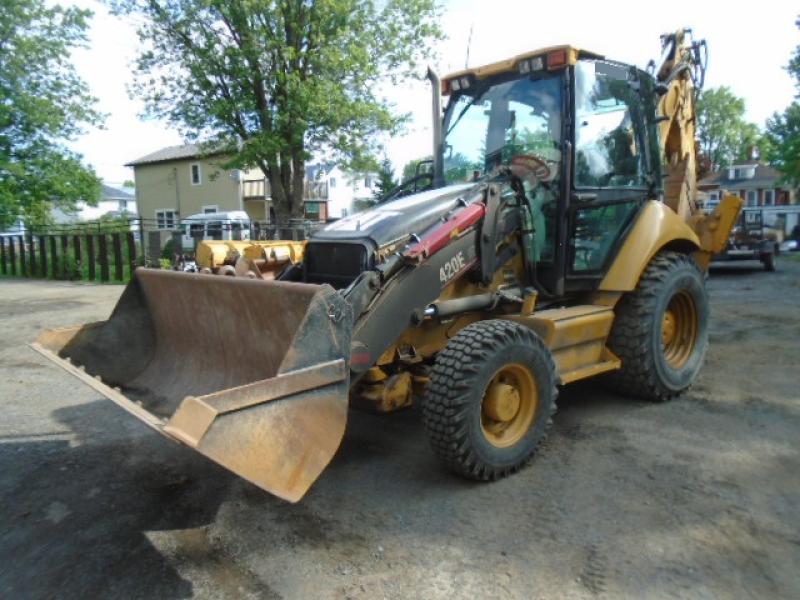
x=490, y=399
x=660, y=330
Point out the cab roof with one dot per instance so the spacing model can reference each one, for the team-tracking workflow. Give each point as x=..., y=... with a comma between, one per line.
x=570, y=55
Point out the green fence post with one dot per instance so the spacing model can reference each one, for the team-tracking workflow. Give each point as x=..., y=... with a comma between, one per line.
x=116, y=242
x=103, y=250
x=12, y=255
x=43, y=256
x=23, y=267
x=90, y=256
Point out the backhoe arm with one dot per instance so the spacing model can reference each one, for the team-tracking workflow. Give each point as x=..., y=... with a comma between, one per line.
x=681, y=73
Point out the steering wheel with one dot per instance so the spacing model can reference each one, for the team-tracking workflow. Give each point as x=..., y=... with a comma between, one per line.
x=528, y=166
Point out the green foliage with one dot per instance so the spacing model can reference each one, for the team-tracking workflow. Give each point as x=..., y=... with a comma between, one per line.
x=168, y=251
x=128, y=183
x=794, y=63
x=114, y=223
x=722, y=131
x=386, y=180
x=783, y=134
x=275, y=81
x=410, y=169
x=43, y=103
x=783, y=131
x=362, y=205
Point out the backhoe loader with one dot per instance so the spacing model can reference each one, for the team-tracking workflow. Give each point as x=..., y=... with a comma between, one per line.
x=559, y=239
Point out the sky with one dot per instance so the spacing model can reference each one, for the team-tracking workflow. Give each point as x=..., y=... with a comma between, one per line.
x=749, y=45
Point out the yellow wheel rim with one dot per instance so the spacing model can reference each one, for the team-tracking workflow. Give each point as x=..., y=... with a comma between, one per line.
x=509, y=405
x=679, y=329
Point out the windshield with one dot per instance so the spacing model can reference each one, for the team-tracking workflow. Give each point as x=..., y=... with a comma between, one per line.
x=515, y=118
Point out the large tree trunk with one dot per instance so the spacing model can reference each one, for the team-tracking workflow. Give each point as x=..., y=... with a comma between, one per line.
x=286, y=176
x=298, y=192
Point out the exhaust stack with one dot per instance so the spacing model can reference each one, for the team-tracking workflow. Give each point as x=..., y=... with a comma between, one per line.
x=436, y=105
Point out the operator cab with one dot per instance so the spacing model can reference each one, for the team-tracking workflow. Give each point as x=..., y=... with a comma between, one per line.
x=578, y=132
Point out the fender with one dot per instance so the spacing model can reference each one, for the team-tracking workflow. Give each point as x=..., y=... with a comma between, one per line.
x=656, y=227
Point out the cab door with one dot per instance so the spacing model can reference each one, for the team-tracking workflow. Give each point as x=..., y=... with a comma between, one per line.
x=612, y=168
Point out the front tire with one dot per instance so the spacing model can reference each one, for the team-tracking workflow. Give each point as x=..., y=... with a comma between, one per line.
x=660, y=330
x=490, y=400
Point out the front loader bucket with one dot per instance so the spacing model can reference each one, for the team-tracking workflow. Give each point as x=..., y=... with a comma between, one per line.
x=252, y=374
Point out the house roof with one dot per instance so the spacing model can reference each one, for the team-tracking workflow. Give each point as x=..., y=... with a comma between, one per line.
x=110, y=193
x=171, y=153
x=765, y=176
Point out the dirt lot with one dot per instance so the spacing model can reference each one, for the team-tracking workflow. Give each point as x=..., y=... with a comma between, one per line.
x=696, y=498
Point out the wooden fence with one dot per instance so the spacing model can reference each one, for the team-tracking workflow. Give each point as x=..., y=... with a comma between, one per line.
x=85, y=256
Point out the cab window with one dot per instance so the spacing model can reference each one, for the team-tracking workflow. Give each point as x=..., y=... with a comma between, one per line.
x=608, y=116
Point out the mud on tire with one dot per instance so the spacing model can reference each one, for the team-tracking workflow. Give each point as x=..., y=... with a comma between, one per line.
x=650, y=369
x=454, y=408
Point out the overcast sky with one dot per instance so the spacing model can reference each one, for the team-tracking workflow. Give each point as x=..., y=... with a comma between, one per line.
x=749, y=46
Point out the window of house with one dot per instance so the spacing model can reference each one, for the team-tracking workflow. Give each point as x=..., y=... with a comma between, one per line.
x=210, y=209
x=344, y=212
x=123, y=205
x=166, y=218
x=196, y=174
x=769, y=197
x=713, y=196
x=332, y=182
x=752, y=198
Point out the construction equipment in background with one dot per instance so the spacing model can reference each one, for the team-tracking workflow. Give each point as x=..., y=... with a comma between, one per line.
x=559, y=239
x=752, y=240
x=253, y=259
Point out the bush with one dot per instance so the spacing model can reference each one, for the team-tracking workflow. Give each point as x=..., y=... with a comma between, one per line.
x=168, y=251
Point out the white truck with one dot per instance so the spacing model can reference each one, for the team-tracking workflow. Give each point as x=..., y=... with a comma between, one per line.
x=231, y=225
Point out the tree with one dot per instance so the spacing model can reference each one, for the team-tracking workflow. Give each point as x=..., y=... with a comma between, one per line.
x=794, y=63
x=274, y=82
x=722, y=131
x=410, y=168
x=386, y=180
x=783, y=133
x=128, y=183
x=43, y=104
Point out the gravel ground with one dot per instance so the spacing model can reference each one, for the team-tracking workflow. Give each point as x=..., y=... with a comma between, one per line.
x=695, y=498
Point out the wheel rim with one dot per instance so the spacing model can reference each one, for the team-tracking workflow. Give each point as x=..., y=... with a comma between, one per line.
x=679, y=329
x=509, y=405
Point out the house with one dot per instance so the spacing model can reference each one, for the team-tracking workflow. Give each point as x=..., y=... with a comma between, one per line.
x=755, y=183
x=112, y=202
x=759, y=186
x=344, y=192
x=178, y=181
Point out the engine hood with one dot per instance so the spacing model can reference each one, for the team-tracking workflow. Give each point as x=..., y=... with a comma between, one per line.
x=396, y=219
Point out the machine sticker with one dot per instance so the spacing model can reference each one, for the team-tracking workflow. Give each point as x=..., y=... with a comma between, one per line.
x=451, y=267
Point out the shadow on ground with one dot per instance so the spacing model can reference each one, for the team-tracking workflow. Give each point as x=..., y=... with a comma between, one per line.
x=75, y=516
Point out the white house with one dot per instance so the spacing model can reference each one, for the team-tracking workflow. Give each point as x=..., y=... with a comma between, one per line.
x=341, y=189
x=113, y=201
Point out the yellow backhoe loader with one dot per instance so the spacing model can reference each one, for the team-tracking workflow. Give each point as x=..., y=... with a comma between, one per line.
x=558, y=239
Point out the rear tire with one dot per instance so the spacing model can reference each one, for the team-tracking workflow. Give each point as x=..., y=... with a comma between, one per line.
x=660, y=330
x=490, y=400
